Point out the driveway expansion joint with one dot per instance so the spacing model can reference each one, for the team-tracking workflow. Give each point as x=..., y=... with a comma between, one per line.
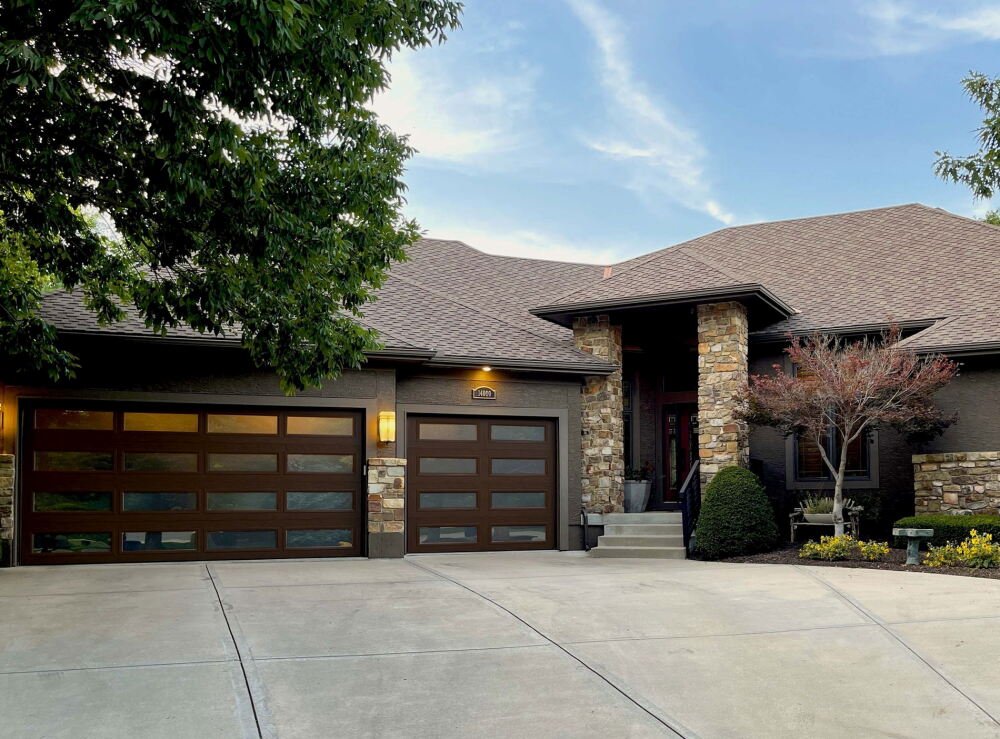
x=672, y=725
x=254, y=686
x=899, y=639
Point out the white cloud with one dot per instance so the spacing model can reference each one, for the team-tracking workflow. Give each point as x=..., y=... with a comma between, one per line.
x=899, y=28
x=664, y=157
x=453, y=110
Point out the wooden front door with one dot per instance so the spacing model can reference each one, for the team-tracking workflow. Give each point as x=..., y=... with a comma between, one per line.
x=680, y=447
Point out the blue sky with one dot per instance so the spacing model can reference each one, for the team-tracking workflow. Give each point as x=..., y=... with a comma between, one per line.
x=595, y=130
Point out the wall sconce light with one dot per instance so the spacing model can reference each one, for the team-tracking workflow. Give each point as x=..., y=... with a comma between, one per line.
x=386, y=426
x=487, y=368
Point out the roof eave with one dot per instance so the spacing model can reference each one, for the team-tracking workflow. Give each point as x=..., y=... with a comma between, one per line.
x=563, y=314
x=522, y=365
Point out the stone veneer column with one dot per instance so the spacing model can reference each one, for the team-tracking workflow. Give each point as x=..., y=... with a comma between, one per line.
x=386, y=507
x=723, y=339
x=603, y=480
x=6, y=504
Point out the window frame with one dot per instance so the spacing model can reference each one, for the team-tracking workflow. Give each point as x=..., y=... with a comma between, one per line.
x=855, y=482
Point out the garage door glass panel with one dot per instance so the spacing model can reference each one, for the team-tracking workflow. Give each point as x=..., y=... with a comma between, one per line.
x=162, y=422
x=232, y=423
x=242, y=462
x=74, y=461
x=500, y=432
x=71, y=543
x=517, y=466
x=337, y=464
x=242, y=540
x=310, y=501
x=320, y=426
x=448, y=534
x=145, y=541
x=242, y=501
x=447, y=500
x=72, y=502
x=74, y=420
x=161, y=461
x=447, y=466
x=137, y=502
x=517, y=500
x=317, y=538
x=514, y=534
x=448, y=432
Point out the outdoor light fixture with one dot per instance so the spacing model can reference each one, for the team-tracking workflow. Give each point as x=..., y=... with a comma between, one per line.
x=487, y=368
x=387, y=426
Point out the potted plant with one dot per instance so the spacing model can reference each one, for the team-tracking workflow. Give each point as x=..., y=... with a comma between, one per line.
x=819, y=509
x=637, y=483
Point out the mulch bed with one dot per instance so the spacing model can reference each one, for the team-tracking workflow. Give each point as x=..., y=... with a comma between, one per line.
x=789, y=555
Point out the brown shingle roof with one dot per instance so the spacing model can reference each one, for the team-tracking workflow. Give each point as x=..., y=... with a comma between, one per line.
x=906, y=263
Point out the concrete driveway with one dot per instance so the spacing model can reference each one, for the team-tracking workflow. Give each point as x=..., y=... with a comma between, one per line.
x=495, y=645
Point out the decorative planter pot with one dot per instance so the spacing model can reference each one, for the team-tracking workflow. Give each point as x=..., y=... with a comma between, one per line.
x=818, y=518
x=636, y=495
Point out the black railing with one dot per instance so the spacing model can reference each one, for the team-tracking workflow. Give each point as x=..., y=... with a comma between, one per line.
x=690, y=495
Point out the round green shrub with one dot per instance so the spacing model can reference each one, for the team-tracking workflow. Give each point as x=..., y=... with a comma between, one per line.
x=736, y=516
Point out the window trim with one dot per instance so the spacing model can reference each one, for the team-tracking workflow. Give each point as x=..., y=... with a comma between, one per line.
x=793, y=482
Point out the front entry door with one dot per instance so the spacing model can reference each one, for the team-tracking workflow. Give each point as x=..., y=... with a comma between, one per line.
x=680, y=447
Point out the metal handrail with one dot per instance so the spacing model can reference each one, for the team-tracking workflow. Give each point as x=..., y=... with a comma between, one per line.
x=690, y=497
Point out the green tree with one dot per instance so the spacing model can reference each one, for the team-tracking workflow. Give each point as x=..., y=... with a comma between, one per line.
x=980, y=171
x=212, y=163
x=992, y=217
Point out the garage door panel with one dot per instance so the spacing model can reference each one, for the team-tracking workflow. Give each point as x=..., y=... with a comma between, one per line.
x=181, y=493
x=502, y=457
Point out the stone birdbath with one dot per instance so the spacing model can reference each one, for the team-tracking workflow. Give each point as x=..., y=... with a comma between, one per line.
x=913, y=538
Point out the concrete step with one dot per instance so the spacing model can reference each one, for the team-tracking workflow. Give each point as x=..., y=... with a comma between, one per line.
x=640, y=541
x=649, y=517
x=640, y=552
x=644, y=529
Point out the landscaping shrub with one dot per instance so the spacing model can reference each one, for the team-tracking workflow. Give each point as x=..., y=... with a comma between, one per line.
x=736, y=516
x=839, y=548
x=949, y=528
x=977, y=551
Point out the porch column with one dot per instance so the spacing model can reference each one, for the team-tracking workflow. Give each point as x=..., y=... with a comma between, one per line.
x=603, y=479
x=723, y=441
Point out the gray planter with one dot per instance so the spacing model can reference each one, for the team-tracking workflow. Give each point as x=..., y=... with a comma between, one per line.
x=819, y=517
x=636, y=495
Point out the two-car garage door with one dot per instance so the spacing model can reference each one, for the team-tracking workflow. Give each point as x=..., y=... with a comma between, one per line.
x=140, y=483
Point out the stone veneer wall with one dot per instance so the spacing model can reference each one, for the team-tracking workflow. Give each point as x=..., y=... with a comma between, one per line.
x=386, y=507
x=603, y=480
x=957, y=482
x=6, y=501
x=723, y=340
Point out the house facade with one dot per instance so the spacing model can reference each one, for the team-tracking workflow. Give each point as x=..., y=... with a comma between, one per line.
x=510, y=396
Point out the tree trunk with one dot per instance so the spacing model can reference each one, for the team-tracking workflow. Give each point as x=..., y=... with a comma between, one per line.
x=838, y=493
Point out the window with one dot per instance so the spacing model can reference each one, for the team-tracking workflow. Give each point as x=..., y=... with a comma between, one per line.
x=809, y=463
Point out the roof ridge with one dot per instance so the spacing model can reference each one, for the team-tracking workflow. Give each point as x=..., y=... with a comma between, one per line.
x=479, y=310
x=511, y=256
x=964, y=219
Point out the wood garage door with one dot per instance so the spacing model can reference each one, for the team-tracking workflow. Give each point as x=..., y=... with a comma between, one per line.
x=478, y=484
x=121, y=483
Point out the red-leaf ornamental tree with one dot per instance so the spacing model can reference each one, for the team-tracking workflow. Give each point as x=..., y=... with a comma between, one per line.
x=851, y=389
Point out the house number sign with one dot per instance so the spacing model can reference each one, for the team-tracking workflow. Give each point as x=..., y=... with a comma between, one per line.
x=484, y=393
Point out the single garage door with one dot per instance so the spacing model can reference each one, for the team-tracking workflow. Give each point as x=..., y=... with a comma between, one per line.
x=477, y=484
x=120, y=483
